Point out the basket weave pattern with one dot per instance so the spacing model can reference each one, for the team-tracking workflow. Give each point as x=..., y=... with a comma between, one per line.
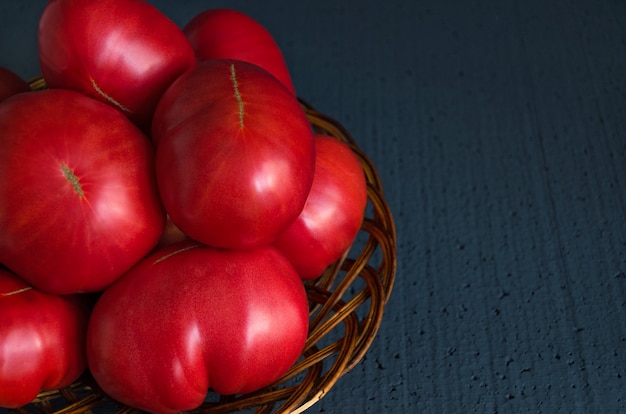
x=346, y=309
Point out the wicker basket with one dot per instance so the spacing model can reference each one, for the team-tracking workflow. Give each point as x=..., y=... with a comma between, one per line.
x=346, y=310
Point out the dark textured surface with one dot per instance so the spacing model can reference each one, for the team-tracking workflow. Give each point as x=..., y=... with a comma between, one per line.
x=498, y=131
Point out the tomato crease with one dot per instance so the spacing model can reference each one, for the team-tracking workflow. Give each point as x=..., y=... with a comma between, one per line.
x=184, y=249
x=73, y=179
x=108, y=97
x=233, y=78
x=15, y=292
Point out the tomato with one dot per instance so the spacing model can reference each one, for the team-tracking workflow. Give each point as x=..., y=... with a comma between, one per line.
x=122, y=52
x=78, y=198
x=11, y=84
x=231, y=34
x=42, y=340
x=235, y=154
x=333, y=212
x=192, y=317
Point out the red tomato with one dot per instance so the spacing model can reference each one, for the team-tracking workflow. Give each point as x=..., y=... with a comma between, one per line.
x=122, y=52
x=333, y=212
x=42, y=340
x=11, y=84
x=78, y=198
x=192, y=317
x=235, y=154
x=231, y=34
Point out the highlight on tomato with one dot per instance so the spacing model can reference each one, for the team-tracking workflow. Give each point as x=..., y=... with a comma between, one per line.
x=190, y=318
x=42, y=340
x=78, y=199
x=235, y=154
x=124, y=53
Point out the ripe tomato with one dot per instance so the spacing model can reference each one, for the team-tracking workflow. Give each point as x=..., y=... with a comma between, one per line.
x=333, y=212
x=191, y=317
x=231, y=34
x=11, y=84
x=78, y=198
x=42, y=340
x=235, y=154
x=122, y=52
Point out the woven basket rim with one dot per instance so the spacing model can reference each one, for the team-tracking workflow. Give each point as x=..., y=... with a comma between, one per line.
x=334, y=310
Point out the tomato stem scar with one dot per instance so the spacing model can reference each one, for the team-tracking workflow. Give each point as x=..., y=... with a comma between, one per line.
x=73, y=179
x=108, y=97
x=15, y=292
x=184, y=249
x=233, y=78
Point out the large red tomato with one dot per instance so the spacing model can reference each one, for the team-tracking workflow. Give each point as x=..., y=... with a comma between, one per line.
x=191, y=317
x=231, y=34
x=11, y=84
x=121, y=52
x=78, y=198
x=42, y=340
x=235, y=154
x=333, y=212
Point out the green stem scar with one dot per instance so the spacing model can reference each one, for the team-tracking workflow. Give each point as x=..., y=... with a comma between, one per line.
x=108, y=97
x=233, y=78
x=72, y=179
x=15, y=292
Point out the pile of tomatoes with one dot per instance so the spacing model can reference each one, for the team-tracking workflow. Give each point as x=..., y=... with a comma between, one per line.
x=162, y=202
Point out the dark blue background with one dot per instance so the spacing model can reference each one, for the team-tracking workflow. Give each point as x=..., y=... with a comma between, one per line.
x=498, y=131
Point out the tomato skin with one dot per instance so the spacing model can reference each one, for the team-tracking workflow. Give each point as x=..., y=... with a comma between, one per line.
x=122, y=52
x=42, y=340
x=232, y=173
x=11, y=84
x=333, y=213
x=57, y=239
x=192, y=317
x=231, y=34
